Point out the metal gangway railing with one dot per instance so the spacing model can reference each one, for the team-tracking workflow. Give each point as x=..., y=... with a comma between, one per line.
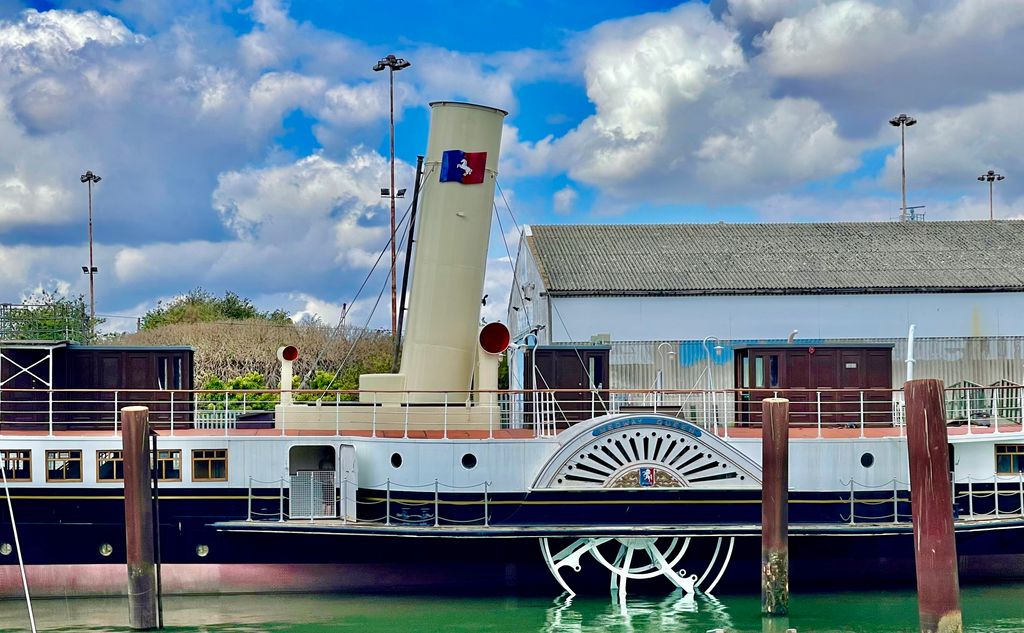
x=311, y=495
x=992, y=497
x=540, y=413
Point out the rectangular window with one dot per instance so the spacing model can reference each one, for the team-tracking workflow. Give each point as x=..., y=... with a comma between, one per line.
x=1009, y=459
x=178, y=364
x=161, y=373
x=17, y=464
x=773, y=371
x=109, y=466
x=64, y=465
x=210, y=464
x=169, y=465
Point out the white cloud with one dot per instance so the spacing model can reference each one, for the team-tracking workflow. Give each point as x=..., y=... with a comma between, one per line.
x=565, y=200
x=681, y=117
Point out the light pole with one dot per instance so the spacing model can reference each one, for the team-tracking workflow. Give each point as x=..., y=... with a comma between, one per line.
x=89, y=178
x=902, y=121
x=660, y=379
x=711, y=380
x=990, y=177
x=392, y=63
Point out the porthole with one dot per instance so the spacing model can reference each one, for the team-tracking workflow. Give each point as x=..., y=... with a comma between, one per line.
x=469, y=461
x=866, y=460
x=106, y=549
x=396, y=460
x=5, y=549
x=202, y=550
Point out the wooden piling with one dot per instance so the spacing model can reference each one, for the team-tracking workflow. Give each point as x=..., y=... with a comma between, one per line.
x=938, y=586
x=138, y=519
x=775, y=506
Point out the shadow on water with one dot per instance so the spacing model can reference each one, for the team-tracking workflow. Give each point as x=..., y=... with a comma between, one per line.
x=992, y=609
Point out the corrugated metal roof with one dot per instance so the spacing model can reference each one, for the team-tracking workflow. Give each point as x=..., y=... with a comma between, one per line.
x=780, y=258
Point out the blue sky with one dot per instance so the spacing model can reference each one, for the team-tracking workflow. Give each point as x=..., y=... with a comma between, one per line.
x=242, y=144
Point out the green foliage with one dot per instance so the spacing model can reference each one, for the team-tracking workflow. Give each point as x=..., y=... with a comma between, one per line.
x=503, y=372
x=237, y=401
x=199, y=306
x=48, y=316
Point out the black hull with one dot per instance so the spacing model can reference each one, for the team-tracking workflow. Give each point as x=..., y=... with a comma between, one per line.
x=63, y=536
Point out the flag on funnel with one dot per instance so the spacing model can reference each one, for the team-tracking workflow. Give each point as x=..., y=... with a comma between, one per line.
x=464, y=167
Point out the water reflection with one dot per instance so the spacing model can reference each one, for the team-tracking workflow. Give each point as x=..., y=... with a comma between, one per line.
x=677, y=612
x=994, y=609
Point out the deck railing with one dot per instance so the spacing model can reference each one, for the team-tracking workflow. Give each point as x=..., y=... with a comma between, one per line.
x=509, y=413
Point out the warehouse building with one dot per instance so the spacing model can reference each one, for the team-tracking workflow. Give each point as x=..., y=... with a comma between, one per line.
x=775, y=306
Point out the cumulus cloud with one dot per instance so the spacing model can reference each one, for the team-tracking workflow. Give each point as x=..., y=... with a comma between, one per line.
x=565, y=200
x=680, y=116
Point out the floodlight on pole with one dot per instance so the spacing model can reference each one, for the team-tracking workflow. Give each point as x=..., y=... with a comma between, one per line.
x=902, y=121
x=89, y=178
x=392, y=64
x=991, y=177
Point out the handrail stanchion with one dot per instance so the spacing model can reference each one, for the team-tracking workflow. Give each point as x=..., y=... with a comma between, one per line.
x=817, y=393
x=486, y=511
x=491, y=403
x=387, y=502
x=995, y=492
x=853, y=506
x=445, y=415
x=280, y=500
x=437, y=505
x=312, y=500
x=968, y=394
x=343, y=510
x=895, y=501
x=862, y=414
x=373, y=417
x=116, y=409
x=337, y=413
x=970, y=496
x=172, y=414
x=248, y=508
x=405, y=430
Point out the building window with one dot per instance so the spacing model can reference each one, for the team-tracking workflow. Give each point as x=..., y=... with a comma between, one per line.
x=169, y=465
x=1009, y=459
x=17, y=464
x=64, y=465
x=210, y=464
x=109, y=466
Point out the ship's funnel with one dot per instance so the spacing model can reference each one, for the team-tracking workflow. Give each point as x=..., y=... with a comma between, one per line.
x=440, y=343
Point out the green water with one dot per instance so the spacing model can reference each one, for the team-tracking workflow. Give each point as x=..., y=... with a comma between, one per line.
x=994, y=609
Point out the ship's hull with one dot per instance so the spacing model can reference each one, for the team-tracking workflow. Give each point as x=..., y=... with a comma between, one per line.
x=207, y=546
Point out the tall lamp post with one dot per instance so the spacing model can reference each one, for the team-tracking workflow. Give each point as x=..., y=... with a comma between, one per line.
x=711, y=380
x=902, y=121
x=990, y=177
x=660, y=379
x=89, y=178
x=392, y=63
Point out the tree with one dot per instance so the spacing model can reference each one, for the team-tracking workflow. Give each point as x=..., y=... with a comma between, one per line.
x=201, y=306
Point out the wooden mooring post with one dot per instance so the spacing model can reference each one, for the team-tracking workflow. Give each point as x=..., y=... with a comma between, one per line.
x=138, y=519
x=775, y=506
x=938, y=585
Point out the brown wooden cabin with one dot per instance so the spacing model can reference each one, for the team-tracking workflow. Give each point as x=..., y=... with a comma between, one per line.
x=762, y=371
x=44, y=377
x=569, y=367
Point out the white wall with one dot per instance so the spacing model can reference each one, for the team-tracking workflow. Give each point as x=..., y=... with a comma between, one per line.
x=774, y=317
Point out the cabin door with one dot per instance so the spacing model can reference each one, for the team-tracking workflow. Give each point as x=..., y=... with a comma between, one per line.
x=349, y=481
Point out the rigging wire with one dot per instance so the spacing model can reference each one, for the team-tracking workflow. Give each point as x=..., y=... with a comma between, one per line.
x=17, y=546
x=376, y=304
x=341, y=319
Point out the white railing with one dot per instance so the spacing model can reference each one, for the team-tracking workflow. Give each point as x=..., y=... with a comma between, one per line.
x=974, y=498
x=497, y=414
